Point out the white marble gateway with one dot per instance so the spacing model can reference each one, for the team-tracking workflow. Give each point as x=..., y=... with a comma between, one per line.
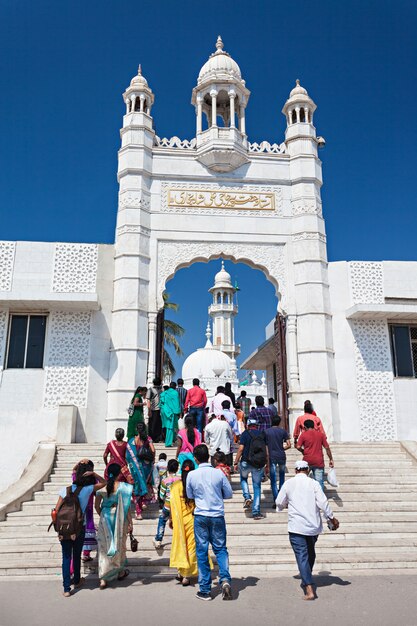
x=78, y=322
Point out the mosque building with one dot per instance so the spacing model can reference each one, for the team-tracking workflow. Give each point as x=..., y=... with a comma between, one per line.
x=81, y=324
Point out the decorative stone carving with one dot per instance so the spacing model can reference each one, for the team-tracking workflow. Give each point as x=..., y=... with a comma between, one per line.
x=214, y=199
x=374, y=380
x=67, y=359
x=175, y=142
x=7, y=252
x=3, y=333
x=270, y=148
x=172, y=255
x=305, y=236
x=134, y=201
x=75, y=268
x=306, y=207
x=367, y=282
x=134, y=228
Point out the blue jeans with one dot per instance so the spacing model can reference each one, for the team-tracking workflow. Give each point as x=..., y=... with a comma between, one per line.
x=162, y=522
x=197, y=413
x=305, y=554
x=318, y=474
x=72, y=550
x=257, y=474
x=211, y=530
x=274, y=469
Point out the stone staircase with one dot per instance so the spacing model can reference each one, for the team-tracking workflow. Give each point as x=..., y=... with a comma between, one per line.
x=376, y=505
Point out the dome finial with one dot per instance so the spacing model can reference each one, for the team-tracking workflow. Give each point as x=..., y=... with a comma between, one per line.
x=208, y=330
x=140, y=69
x=222, y=264
x=219, y=44
x=297, y=82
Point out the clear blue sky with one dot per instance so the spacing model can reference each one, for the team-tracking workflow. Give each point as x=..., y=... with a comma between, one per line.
x=64, y=66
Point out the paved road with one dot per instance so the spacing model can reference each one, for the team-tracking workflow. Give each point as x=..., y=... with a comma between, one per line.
x=348, y=601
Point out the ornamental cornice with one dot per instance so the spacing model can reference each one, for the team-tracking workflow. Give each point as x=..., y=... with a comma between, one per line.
x=306, y=207
x=309, y=236
x=133, y=228
x=134, y=201
x=271, y=259
x=215, y=199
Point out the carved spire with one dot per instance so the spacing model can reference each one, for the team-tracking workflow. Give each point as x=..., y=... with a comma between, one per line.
x=219, y=44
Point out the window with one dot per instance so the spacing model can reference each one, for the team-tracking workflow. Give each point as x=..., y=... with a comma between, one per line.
x=404, y=350
x=26, y=341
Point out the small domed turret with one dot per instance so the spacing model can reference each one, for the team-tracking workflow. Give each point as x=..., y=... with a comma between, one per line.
x=138, y=96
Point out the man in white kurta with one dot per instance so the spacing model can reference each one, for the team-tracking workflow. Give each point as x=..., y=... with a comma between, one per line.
x=305, y=499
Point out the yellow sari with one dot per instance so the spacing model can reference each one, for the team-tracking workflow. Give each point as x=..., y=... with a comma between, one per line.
x=183, y=553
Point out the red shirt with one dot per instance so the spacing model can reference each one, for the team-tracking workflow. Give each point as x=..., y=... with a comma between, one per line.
x=299, y=424
x=195, y=397
x=313, y=443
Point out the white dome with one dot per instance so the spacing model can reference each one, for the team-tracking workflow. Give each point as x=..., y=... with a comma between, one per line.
x=298, y=90
x=222, y=278
x=205, y=364
x=220, y=66
x=139, y=81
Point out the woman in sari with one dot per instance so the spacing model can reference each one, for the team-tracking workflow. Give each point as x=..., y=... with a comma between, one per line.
x=183, y=552
x=170, y=411
x=140, y=455
x=90, y=540
x=137, y=415
x=189, y=437
x=113, y=506
x=117, y=451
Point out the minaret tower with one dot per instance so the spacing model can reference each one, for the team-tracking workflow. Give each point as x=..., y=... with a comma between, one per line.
x=222, y=312
x=220, y=100
x=130, y=319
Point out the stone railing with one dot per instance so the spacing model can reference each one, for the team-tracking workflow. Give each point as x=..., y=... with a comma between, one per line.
x=270, y=148
x=175, y=142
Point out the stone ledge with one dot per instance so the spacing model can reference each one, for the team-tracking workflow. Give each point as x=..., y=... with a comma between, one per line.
x=410, y=448
x=32, y=479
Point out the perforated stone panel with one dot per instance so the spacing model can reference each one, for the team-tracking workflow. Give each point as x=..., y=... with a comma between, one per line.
x=374, y=380
x=75, y=268
x=67, y=359
x=3, y=333
x=7, y=252
x=367, y=282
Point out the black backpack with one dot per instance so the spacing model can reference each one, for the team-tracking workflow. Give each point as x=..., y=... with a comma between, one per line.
x=257, y=450
x=145, y=453
x=69, y=518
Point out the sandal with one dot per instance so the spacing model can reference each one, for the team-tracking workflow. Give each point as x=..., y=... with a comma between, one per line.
x=125, y=573
x=103, y=584
x=86, y=559
x=186, y=582
x=138, y=517
x=179, y=578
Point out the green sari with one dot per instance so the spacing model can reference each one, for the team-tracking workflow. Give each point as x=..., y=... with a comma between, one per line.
x=170, y=411
x=136, y=418
x=112, y=531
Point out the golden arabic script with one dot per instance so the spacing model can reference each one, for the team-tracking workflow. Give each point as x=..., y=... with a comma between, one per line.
x=221, y=199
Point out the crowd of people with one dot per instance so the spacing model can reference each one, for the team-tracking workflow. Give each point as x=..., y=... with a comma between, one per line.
x=191, y=488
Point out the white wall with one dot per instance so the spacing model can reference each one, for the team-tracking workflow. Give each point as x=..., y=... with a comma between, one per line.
x=405, y=392
x=348, y=427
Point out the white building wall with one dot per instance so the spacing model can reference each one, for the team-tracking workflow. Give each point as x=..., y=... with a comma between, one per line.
x=73, y=285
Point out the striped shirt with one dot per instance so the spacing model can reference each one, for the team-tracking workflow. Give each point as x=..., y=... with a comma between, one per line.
x=263, y=416
x=165, y=488
x=182, y=392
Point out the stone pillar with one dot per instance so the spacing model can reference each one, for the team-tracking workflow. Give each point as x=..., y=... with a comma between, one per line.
x=232, y=95
x=199, y=115
x=294, y=375
x=213, y=94
x=152, y=346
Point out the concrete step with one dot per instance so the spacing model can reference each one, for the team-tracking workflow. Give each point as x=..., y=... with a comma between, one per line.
x=357, y=504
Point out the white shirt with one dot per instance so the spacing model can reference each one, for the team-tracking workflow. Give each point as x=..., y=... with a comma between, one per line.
x=218, y=434
x=216, y=403
x=304, y=498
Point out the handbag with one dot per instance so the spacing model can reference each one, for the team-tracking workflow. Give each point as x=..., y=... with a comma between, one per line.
x=133, y=542
x=131, y=409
